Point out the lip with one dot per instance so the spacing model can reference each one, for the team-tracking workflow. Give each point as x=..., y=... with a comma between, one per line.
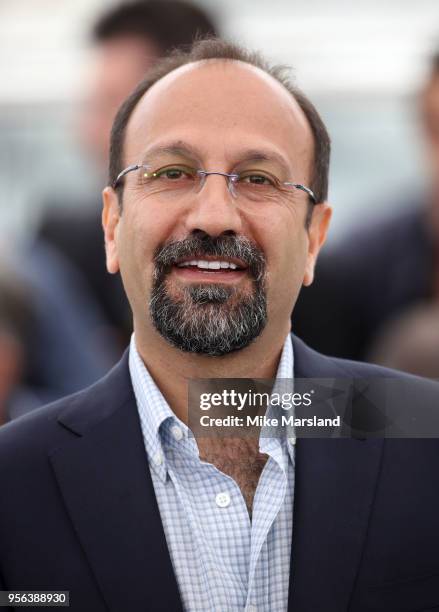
x=195, y=275
x=234, y=260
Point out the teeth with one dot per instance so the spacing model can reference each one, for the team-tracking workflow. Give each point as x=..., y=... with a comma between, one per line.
x=208, y=265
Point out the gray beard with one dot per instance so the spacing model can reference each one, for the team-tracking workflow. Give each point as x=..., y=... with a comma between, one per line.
x=209, y=319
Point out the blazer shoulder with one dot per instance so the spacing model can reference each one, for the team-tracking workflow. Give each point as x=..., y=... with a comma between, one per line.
x=23, y=439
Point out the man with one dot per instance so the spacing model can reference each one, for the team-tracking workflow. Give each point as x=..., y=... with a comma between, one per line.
x=214, y=217
x=383, y=273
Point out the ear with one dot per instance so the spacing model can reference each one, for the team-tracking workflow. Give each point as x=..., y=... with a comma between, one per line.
x=110, y=222
x=317, y=231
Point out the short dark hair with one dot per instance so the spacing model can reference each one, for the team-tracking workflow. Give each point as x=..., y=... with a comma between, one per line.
x=221, y=50
x=169, y=24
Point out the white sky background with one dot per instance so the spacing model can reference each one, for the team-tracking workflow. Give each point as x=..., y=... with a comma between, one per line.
x=359, y=61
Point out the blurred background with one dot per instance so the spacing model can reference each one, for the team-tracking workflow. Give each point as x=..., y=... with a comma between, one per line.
x=360, y=62
x=65, y=67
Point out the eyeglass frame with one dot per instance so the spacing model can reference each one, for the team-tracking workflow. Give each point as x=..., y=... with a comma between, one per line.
x=231, y=179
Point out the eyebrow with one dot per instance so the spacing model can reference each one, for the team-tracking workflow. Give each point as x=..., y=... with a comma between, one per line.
x=173, y=148
x=183, y=149
x=250, y=155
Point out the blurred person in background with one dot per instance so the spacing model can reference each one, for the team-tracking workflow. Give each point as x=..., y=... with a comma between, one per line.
x=410, y=342
x=128, y=39
x=15, y=323
x=82, y=319
x=51, y=342
x=381, y=282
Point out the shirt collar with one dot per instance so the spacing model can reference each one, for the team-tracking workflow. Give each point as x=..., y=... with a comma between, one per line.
x=279, y=444
x=154, y=410
x=152, y=407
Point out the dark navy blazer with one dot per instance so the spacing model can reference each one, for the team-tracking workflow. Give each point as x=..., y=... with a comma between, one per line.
x=78, y=510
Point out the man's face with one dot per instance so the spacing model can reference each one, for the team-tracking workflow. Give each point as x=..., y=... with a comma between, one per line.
x=224, y=117
x=114, y=70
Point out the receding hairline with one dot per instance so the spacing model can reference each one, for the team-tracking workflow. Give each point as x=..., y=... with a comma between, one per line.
x=226, y=62
x=263, y=75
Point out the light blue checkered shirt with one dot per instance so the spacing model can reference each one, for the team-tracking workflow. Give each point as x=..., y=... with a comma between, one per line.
x=223, y=562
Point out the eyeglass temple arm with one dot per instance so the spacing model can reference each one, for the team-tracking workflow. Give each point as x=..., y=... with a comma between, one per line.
x=307, y=190
x=122, y=174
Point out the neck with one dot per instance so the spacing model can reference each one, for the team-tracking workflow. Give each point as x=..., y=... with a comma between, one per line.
x=172, y=369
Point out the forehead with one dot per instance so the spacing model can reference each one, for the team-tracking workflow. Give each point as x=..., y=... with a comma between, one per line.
x=220, y=106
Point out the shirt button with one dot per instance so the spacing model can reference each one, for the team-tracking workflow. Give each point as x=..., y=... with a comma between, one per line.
x=158, y=458
x=176, y=432
x=222, y=500
x=251, y=608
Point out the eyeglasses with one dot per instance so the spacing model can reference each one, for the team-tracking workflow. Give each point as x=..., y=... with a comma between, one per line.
x=179, y=179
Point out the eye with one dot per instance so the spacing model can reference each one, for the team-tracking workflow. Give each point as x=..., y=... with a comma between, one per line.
x=257, y=178
x=173, y=173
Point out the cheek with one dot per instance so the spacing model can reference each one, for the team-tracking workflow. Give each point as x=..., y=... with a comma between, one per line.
x=284, y=239
x=138, y=238
x=286, y=253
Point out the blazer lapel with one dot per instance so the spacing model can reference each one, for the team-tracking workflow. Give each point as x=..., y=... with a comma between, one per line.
x=106, y=485
x=335, y=482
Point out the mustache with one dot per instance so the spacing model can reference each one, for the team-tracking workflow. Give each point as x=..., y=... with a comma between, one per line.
x=237, y=247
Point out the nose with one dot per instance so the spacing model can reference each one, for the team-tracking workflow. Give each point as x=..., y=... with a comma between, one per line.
x=213, y=209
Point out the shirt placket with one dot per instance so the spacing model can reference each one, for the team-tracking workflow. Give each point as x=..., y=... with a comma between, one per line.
x=268, y=501
x=220, y=525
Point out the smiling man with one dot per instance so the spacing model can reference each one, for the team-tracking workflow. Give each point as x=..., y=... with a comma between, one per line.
x=208, y=185
x=214, y=216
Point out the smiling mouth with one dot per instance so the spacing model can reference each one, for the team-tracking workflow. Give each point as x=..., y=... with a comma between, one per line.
x=210, y=269
x=211, y=265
